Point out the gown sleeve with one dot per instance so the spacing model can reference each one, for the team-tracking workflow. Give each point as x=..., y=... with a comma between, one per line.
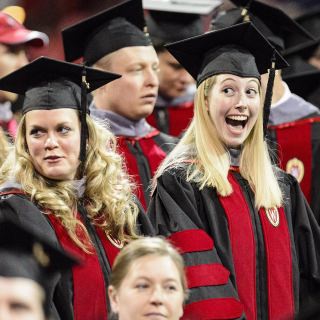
x=306, y=232
x=144, y=225
x=174, y=213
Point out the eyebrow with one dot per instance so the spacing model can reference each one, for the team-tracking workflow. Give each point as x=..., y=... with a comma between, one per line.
x=57, y=125
x=251, y=80
x=149, y=279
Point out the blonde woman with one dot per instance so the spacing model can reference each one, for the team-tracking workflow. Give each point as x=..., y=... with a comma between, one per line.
x=67, y=184
x=250, y=241
x=148, y=281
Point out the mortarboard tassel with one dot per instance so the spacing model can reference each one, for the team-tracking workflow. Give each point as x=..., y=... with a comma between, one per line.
x=83, y=114
x=268, y=95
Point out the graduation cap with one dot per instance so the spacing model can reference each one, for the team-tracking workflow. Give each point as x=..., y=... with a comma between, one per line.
x=275, y=24
x=241, y=50
x=302, y=78
x=170, y=21
x=165, y=27
x=304, y=49
x=52, y=84
x=311, y=22
x=25, y=253
x=112, y=29
x=201, y=7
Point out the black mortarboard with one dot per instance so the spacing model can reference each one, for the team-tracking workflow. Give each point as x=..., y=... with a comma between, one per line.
x=52, y=84
x=275, y=24
x=112, y=29
x=241, y=50
x=165, y=27
x=170, y=21
x=302, y=78
x=26, y=254
x=311, y=22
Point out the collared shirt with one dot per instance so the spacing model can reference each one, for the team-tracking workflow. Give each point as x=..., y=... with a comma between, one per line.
x=119, y=125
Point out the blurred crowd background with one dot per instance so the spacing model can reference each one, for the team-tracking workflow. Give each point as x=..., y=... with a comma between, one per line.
x=51, y=16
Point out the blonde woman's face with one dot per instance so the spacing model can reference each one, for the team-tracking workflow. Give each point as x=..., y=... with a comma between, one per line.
x=233, y=107
x=151, y=290
x=21, y=299
x=53, y=141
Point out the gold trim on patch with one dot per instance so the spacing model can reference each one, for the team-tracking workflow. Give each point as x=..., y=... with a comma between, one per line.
x=117, y=243
x=296, y=168
x=273, y=216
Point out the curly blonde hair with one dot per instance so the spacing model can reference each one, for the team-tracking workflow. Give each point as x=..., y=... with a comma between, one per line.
x=4, y=146
x=108, y=196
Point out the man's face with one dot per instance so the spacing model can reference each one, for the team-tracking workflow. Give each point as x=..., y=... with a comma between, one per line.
x=174, y=79
x=11, y=59
x=134, y=94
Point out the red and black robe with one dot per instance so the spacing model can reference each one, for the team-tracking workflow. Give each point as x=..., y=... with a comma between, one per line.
x=297, y=146
x=80, y=294
x=172, y=120
x=143, y=156
x=241, y=263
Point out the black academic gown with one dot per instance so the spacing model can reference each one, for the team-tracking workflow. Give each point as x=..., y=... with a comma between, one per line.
x=296, y=145
x=239, y=265
x=76, y=294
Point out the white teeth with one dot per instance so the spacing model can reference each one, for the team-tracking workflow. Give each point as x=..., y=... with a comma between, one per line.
x=238, y=118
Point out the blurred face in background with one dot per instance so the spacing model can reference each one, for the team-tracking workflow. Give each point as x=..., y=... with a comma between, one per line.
x=174, y=79
x=11, y=59
x=315, y=59
x=21, y=299
x=152, y=289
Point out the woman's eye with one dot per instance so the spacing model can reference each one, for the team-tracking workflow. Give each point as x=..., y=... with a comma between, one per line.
x=36, y=132
x=228, y=91
x=64, y=129
x=171, y=288
x=142, y=286
x=252, y=92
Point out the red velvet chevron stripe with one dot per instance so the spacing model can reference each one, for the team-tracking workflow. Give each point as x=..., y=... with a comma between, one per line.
x=207, y=275
x=220, y=308
x=191, y=240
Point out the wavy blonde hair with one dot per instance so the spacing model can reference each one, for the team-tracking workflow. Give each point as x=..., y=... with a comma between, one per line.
x=207, y=161
x=108, y=191
x=4, y=146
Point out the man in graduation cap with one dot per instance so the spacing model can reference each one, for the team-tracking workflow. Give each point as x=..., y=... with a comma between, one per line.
x=174, y=106
x=65, y=177
x=30, y=268
x=114, y=40
x=237, y=219
x=293, y=121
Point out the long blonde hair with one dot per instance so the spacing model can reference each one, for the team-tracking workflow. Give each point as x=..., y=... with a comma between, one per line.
x=108, y=191
x=207, y=161
x=4, y=146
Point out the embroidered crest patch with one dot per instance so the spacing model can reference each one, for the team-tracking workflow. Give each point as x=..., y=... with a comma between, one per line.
x=296, y=168
x=273, y=216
